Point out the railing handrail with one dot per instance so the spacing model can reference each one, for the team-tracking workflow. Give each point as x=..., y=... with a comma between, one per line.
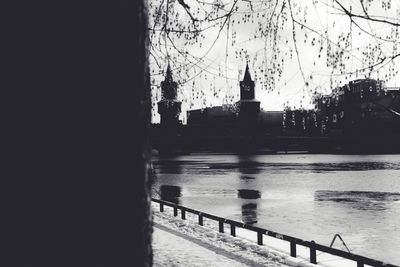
x=297, y=241
x=334, y=239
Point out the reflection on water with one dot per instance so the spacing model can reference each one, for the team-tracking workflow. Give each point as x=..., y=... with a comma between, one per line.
x=169, y=166
x=361, y=200
x=248, y=194
x=246, y=177
x=248, y=165
x=353, y=166
x=249, y=213
x=245, y=166
x=249, y=169
x=170, y=193
x=356, y=196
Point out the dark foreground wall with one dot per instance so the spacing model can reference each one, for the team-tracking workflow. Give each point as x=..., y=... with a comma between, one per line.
x=75, y=144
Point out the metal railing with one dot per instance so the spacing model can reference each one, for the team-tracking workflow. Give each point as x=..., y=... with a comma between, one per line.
x=314, y=247
x=333, y=241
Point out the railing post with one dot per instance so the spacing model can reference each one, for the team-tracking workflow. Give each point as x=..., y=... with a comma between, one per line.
x=221, y=226
x=183, y=214
x=313, y=253
x=293, y=249
x=259, y=238
x=233, y=232
x=200, y=219
x=361, y=261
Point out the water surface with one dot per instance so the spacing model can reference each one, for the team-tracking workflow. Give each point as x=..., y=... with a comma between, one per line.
x=312, y=197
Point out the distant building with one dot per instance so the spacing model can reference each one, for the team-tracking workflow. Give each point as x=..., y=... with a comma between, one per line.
x=229, y=118
x=362, y=116
x=270, y=121
x=363, y=106
x=214, y=115
x=169, y=107
x=248, y=106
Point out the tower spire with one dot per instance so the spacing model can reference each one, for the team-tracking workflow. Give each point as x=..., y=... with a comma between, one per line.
x=247, y=76
x=249, y=107
x=247, y=86
x=169, y=107
x=168, y=76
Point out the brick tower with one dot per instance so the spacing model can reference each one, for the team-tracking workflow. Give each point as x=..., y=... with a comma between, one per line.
x=169, y=107
x=248, y=106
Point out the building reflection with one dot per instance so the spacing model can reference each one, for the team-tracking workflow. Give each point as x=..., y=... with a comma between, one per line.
x=249, y=213
x=167, y=165
x=248, y=168
x=170, y=193
x=163, y=167
x=249, y=204
x=249, y=194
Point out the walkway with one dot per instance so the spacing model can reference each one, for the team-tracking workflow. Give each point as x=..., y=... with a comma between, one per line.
x=174, y=249
x=178, y=242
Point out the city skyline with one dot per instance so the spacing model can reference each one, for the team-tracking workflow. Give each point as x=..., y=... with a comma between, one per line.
x=215, y=79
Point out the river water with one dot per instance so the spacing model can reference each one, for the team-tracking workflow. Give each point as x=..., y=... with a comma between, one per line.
x=308, y=196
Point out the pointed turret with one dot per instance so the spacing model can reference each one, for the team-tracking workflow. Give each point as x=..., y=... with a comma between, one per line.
x=168, y=86
x=249, y=107
x=169, y=107
x=247, y=86
x=168, y=75
x=247, y=76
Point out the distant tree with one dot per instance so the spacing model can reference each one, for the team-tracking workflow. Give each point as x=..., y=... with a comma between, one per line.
x=348, y=39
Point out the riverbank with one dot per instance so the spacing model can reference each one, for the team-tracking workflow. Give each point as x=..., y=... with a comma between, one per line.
x=272, y=144
x=311, y=197
x=180, y=242
x=172, y=248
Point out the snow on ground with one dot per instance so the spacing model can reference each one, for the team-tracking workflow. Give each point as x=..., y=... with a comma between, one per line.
x=172, y=250
x=243, y=248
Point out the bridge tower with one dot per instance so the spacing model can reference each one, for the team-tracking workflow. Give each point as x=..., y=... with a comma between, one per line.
x=169, y=107
x=248, y=106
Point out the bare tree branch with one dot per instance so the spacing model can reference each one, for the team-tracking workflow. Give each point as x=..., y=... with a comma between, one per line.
x=296, y=49
x=366, y=17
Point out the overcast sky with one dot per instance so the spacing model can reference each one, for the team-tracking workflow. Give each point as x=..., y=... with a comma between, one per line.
x=216, y=80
